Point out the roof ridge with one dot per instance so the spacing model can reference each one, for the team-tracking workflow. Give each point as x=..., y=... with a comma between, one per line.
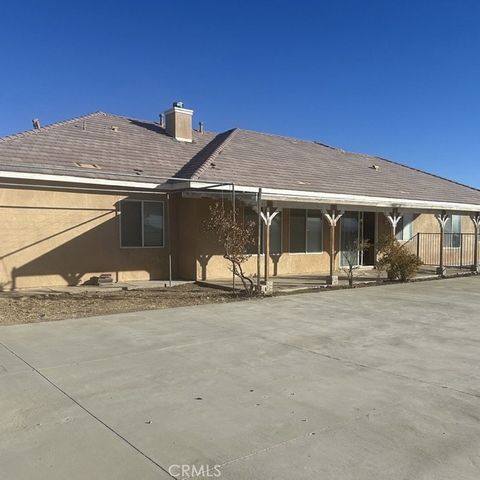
x=425, y=172
x=36, y=131
x=229, y=135
x=285, y=137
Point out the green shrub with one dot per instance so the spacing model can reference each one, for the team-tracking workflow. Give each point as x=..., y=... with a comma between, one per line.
x=396, y=260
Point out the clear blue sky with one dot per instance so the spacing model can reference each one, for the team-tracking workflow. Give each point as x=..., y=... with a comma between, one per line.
x=400, y=79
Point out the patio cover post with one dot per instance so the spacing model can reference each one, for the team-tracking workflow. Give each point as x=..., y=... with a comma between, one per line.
x=442, y=220
x=267, y=218
x=234, y=220
x=332, y=216
x=169, y=240
x=259, y=236
x=476, y=224
x=267, y=247
x=394, y=217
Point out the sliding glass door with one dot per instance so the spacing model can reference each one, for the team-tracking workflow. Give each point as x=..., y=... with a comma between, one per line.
x=349, y=238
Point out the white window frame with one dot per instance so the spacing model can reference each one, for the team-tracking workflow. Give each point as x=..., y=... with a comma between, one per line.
x=143, y=225
x=451, y=233
x=411, y=217
x=306, y=236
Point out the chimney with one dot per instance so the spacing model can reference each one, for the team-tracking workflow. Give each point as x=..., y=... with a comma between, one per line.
x=178, y=122
x=36, y=123
x=201, y=127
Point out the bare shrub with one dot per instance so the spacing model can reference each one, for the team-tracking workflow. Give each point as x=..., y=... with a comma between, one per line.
x=235, y=236
x=396, y=260
x=350, y=257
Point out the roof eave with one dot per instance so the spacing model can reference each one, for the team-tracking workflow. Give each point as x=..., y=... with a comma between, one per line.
x=346, y=200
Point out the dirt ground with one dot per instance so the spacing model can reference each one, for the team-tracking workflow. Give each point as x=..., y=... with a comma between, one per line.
x=59, y=306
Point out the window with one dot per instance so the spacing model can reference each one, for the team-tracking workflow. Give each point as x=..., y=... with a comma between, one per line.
x=298, y=230
x=250, y=215
x=306, y=231
x=453, y=231
x=314, y=231
x=404, y=227
x=141, y=223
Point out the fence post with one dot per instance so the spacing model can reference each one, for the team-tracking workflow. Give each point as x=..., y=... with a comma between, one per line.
x=418, y=245
x=476, y=223
x=461, y=249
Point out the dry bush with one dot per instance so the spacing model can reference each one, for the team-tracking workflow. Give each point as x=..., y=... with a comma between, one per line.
x=350, y=256
x=235, y=236
x=396, y=260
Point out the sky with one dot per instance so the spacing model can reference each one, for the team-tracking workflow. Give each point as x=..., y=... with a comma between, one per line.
x=396, y=79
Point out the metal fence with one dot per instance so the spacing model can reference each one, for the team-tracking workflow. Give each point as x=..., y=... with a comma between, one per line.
x=458, y=248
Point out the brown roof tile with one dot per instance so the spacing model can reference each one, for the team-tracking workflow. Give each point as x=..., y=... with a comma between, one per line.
x=140, y=150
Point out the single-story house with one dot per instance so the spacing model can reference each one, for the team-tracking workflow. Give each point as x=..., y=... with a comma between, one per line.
x=110, y=194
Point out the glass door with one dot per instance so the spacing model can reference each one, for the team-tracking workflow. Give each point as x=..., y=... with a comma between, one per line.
x=349, y=239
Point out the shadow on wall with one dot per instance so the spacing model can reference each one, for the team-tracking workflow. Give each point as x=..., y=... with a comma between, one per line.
x=203, y=260
x=210, y=247
x=93, y=251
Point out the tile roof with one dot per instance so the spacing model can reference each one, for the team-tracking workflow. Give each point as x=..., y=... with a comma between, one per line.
x=140, y=150
x=263, y=160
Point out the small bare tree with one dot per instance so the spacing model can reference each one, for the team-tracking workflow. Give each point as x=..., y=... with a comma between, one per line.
x=351, y=255
x=235, y=236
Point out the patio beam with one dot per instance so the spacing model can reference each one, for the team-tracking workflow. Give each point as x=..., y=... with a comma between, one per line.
x=333, y=216
x=476, y=224
x=442, y=220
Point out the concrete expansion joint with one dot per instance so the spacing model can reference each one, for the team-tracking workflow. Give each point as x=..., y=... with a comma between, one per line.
x=313, y=432
x=86, y=410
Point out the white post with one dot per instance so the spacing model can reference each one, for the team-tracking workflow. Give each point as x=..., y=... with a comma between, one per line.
x=393, y=218
x=267, y=218
x=442, y=220
x=332, y=216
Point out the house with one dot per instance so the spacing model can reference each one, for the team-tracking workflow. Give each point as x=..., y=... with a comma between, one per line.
x=109, y=194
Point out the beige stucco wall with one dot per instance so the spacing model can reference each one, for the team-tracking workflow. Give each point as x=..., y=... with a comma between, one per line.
x=427, y=223
x=216, y=267
x=51, y=238
x=428, y=247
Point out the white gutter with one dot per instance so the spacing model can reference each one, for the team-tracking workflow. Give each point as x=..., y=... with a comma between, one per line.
x=267, y=193
x=72, y=179
x=346, y=199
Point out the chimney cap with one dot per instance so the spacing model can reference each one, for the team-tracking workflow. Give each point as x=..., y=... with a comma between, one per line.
x=178, y=104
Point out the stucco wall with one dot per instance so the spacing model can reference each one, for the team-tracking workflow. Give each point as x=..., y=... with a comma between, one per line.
x=214, y=266
x=51, y=238
x=426, y=223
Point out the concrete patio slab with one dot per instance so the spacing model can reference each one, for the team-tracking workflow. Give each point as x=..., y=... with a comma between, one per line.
x=354, y=384
x=314, y=281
